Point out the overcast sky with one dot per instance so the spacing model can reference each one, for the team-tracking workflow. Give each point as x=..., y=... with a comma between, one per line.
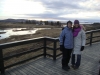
x=62, y=10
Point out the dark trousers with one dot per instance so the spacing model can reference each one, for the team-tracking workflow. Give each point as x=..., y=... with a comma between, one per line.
x=78, y=61
x=66, y=54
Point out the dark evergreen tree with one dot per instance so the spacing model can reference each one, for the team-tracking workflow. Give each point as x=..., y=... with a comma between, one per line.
x=52, y=23
x=58, y=23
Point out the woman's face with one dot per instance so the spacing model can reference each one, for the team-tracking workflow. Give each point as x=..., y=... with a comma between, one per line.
x=69, y=25
x=76, y=25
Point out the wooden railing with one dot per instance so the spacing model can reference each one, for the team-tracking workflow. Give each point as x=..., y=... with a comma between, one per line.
x=44, y=47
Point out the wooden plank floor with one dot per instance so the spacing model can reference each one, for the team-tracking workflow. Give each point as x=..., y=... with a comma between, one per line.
x=46, y=66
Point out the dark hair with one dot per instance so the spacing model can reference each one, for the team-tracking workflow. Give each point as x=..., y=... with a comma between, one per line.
x=69, y=22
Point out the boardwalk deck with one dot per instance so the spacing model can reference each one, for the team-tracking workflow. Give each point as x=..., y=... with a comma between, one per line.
x=46, y=66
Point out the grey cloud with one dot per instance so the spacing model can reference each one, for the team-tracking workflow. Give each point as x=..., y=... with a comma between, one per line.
x=61, y=4
x=63, y=7
x=45, y=15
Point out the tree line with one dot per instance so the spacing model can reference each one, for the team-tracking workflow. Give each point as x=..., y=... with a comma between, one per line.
x=41, y=22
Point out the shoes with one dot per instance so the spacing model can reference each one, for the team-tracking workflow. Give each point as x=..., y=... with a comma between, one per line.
x=76, y=67
x=65, y=68
x=68, y=67
x=73, y=66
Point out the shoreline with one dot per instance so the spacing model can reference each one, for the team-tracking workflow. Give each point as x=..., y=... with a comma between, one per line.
x=41, y=33
x=2, y=32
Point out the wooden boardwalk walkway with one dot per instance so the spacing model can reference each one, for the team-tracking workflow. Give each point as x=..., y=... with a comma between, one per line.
x=46, y=66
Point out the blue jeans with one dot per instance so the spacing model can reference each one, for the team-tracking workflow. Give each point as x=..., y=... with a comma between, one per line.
x=78, y=61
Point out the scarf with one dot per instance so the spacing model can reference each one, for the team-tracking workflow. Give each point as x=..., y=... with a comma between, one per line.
x=76, y=31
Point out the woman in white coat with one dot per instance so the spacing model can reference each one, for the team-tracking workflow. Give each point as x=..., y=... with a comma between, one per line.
x=79, y=43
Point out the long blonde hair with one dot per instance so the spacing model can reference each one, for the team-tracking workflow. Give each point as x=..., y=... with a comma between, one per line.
x=83, y=27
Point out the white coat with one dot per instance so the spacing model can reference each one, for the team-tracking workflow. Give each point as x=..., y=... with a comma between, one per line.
x=79, y=41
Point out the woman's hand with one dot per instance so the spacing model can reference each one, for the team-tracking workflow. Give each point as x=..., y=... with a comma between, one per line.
x=82, y=48
x=61, y=47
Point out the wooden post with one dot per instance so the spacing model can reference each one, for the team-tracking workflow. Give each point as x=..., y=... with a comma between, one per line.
x=91, y=35
x=54, y=51
x=45, y=47
x=1, y=62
